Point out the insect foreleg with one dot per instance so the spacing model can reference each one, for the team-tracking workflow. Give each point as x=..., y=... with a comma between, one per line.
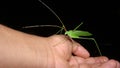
x=95, y=44
x=78, y=26
x=60, y=31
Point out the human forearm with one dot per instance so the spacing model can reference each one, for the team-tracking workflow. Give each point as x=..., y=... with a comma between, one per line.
x=16, y=49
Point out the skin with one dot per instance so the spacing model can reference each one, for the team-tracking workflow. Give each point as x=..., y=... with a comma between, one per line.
x=21, y=50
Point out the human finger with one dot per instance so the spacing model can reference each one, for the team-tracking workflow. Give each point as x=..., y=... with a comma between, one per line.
x=79, y=50
x=93, y=60
x=110, y=64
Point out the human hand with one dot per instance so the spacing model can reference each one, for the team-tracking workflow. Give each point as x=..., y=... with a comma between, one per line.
x=21, y=50
x=64, y=59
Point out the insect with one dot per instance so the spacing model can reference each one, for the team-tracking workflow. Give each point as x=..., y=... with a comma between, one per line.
x=78, y=34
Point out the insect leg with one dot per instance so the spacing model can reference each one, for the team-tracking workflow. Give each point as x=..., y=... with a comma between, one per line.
x=95, y=44
x=78, y=26
x=60, y=31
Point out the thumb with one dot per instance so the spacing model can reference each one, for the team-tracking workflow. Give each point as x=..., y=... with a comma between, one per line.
x=80, y=51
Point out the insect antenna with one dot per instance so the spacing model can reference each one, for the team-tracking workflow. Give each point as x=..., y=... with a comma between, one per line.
x=54, y=14
x=43, y=26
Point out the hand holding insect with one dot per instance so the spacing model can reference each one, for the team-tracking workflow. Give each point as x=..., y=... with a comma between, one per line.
x=78, y=34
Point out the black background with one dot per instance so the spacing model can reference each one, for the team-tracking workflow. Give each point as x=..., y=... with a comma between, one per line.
x=100, y=18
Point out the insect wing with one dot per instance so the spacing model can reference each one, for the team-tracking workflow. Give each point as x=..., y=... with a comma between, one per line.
x=80, y=33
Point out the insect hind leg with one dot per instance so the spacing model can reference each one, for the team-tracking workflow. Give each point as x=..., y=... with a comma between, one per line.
x=97, y=46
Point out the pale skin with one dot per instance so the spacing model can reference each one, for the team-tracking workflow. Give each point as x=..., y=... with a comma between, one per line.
x=21, y=50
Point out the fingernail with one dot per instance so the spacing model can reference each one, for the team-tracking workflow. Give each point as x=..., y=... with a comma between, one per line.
x=105, y=59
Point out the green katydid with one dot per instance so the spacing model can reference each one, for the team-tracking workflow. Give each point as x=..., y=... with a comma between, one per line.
x=78, y=34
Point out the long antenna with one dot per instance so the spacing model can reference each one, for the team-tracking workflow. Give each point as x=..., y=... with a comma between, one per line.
x=53, y=13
